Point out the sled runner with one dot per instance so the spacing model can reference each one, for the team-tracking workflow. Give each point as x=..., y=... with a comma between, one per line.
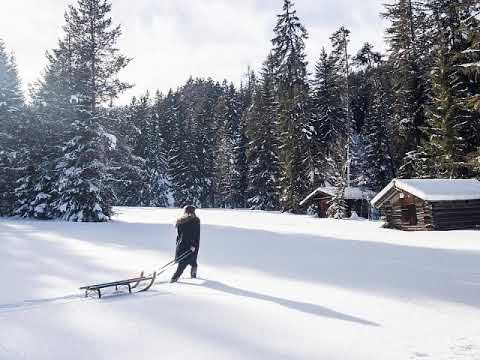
x=130, y=283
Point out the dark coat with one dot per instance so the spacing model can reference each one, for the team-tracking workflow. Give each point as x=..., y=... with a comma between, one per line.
x=188, y=229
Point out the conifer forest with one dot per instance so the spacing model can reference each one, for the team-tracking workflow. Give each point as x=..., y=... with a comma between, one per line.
x=68, y=151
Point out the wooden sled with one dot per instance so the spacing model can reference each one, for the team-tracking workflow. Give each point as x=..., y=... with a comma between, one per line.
x=130, y=283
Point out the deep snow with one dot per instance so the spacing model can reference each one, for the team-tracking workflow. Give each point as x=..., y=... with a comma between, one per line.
x=272, y=286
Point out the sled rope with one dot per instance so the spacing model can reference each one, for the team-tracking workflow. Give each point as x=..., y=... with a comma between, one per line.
x=174, y=261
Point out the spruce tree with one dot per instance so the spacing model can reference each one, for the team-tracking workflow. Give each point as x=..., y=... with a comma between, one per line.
x=191, y=162
x=240, y=141
x=241, y=166
x=330, y=119
x=410, y=59
x=340, y=41
x=340, y=53
x=181, y=156
x=229, y=149
x=82, y=185
x=223, y=156
x=203, y=136
x=157, y=163
x=337, y=170
x=52, y=111
x=126, y=172
x=377, y=130
x=452, y=126
x=471, y=68
x=148, y=146
x=35, y=188
x=469, y=60
x=11, y=114
x=289, y=58
x=263, y=146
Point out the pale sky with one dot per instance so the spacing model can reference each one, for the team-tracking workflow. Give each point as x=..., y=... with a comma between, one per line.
x=169, y=40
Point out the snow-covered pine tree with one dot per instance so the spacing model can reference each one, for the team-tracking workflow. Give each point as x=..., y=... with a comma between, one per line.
x=443, y=152
x=340, y=41
x=191, y=165
x=471, y=66
x=128, y=165
x=263, y=146
x=240, y=179
x=157, y=162
x=337, y=175
x=341, y=150
x=469, y=60
x=35, y=189
x=236, y=142
x=289, y=58
x=223, y=156
x=84, y=193
x=140, y=117
x=161, y=111
x=147, y=146
x=51, y=115
x=377, y=129
x=171, y=117
x=242, y=102
x=126, y=172
x=232, y=108
x=229, y=149
x=181, y=155
x=203, y=137
x=341, y=56
x=452, y=126
x=410, y=63
x=330, y=120
x=11, y=113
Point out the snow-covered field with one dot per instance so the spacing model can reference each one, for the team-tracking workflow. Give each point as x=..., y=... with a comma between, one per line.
x=271, y=287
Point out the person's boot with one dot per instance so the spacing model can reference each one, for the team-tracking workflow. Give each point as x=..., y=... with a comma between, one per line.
x=193, y=272
x=173, y=280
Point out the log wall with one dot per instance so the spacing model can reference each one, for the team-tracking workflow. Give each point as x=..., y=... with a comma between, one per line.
x=449, y=215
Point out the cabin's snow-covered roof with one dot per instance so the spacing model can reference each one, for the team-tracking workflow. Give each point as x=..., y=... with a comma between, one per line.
x=351, y=193
x=434, y=189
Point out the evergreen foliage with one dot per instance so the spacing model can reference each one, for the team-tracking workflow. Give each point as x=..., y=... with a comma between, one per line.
x=377, y=130
x=337, y=169
x=410, y=60
x=263, y=147
x=11, y=116
x=452, y=125
x=329, y=112
x=289, y=59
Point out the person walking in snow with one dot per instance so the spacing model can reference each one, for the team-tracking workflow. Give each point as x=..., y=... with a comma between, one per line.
x=188, y=240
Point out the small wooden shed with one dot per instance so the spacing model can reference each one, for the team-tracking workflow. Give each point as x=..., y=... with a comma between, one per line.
x=357, y=199
x=430, y=204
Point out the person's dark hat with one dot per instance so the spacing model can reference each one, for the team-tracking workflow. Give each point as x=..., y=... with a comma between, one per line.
x=189, y=209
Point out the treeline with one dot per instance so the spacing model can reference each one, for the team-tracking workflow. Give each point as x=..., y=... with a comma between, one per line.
x=359, y=120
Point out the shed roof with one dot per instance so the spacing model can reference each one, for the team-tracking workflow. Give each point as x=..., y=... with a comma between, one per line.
x=351, y=193
x=434, y=189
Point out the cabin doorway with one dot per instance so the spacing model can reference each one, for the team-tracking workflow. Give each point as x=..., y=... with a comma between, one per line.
x=409, y=211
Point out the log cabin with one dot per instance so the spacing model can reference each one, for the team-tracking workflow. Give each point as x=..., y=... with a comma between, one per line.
x=356, y=198
x=430, y=204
